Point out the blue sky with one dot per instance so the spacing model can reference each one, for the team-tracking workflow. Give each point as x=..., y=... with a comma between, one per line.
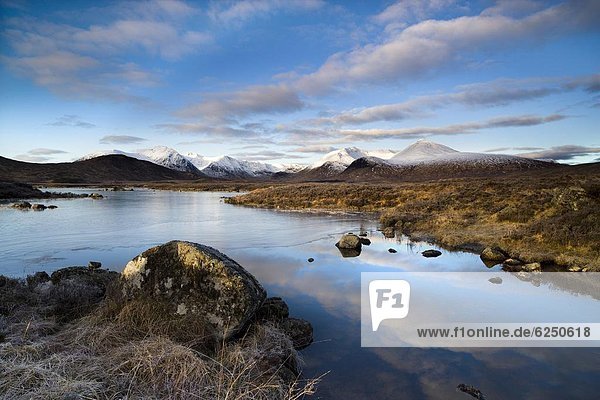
x=286, y=81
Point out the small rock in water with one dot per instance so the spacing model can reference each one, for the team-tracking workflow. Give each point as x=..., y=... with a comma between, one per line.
x=471, y=390
x=389, y=232
x=349, y=253
x=495, y=280
x=22, y=205
x=349, y=241
x=431, y=253
x=38, y=207
x=94, y=265
x=311, y=259
x=96, y=196
x=365, y=241
x=363, y=234
x=52, y=207
x=392, y=250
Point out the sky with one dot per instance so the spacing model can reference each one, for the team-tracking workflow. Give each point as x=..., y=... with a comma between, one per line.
x=287, y=81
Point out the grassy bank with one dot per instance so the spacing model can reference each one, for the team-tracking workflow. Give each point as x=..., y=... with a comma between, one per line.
x=552, y=218
x=113, y=350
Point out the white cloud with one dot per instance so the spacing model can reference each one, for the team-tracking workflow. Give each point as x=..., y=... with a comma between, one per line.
x=71, y=120
x=488, y=94
x=562, y=153
x=315, y=148
x=121, y=139
x=407, y=10
x=455, y=129
x=45, y=152
x=95, y=61
x=236, y=12
x=264, y=99
x=434, y=44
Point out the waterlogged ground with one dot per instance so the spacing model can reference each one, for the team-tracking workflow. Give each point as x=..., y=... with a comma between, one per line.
x=275, y=247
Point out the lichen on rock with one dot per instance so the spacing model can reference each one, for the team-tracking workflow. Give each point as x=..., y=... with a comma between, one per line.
x=196, y=279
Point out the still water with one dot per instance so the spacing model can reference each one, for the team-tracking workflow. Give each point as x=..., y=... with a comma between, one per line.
x=275, y=246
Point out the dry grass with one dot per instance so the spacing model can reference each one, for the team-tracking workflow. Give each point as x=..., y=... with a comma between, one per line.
x=552, y=219
x=137, y=351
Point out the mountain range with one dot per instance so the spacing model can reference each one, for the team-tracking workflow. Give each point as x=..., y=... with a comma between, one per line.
x=225, y=167
x=421, y=160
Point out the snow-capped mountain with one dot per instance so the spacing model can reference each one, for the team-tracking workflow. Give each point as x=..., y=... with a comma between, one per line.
x=426, y=152
x=423, y=158
x=198, y=160
x=169, y=158
x=291, y=168
x=340, y=159
x=422, y=150
x=113, y=152
x=216, y=167
x=160, y=155
x=229, y=167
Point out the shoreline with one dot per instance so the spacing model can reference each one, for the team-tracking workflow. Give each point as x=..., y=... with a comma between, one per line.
x=84, y=329
x=553, y=223
x=548, y=221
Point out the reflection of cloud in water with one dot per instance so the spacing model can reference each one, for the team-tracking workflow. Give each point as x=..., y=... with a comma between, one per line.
x=356, y=373
x=502, y=373
x=322, y=280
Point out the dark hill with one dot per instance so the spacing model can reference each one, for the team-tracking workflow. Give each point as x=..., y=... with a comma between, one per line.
x=371, y=169
x=104, y=169
x=324, y=173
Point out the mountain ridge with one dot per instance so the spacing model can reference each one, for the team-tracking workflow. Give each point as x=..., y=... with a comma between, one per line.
x=102, y=169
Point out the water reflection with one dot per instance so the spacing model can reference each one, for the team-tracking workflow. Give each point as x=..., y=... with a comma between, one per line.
x=275, y=247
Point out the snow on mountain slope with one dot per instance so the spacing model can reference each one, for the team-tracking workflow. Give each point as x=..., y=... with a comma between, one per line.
x=426, y=152
x=199, y=161
x=159, y=155
x=229, y=167
x=218, y=167
x=113, y=152
x=340, y=159
x=169, y=158
x=422, y=150
x=384, y=154
x=291, y=168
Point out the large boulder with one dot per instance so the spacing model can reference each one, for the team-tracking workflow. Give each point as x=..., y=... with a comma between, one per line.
x=196, y=279
x=349, y=241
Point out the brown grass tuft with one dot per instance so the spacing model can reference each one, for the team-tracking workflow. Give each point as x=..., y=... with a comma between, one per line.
x=136, y=350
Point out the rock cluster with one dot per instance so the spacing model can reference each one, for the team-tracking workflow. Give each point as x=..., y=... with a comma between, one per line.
x=25, y=205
